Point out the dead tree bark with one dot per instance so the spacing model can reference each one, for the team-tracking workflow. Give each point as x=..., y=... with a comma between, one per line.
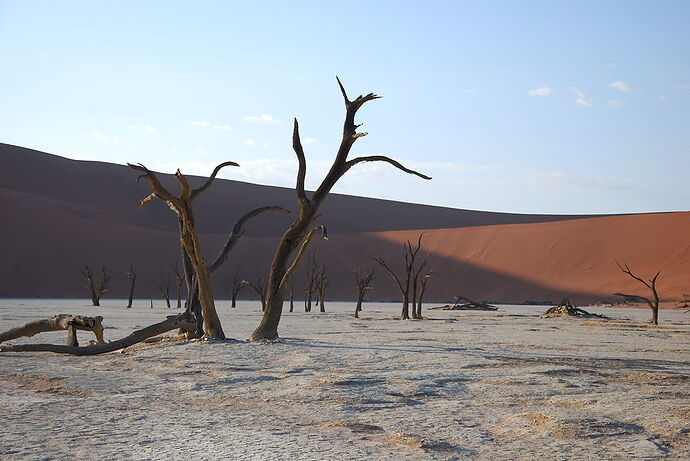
x=189, y=239
x=363, y=284
x=132, y=276
x=468, y=305
x=182, y=321
x=309, y=206
x=259, y=287
x=651, y=284
x=96, y=290
x=416, y=309
x=57, y=323
x=292, y=295
x=236, y=285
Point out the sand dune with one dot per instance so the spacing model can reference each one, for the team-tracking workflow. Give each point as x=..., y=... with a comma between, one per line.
x=61, y=214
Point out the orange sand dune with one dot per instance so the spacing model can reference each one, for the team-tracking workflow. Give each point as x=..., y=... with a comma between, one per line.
x=60, y=214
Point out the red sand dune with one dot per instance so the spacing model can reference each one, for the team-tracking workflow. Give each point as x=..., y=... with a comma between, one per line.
x=60, y=214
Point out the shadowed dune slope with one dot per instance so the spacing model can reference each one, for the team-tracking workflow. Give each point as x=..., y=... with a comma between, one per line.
x=60, y=214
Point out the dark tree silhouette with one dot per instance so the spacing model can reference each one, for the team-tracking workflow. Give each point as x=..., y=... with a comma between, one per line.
x=96, y=288
x=236, y=285
x=132, y=276
x=363, y=284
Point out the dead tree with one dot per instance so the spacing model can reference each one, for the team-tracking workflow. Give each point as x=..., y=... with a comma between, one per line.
x=363, y=285
x=416, y=286
x=651, y=284
x=132, y=276
x=422, y=290
x=189, y=239
x=297, y=234
x=236, y=285
x=182, y=321
x=259, y=287
x=179, y=280
x=71, y=323
x=96, y=289
x=404, y=282
x=321, y=286
x=310, y=284
x=163, y=288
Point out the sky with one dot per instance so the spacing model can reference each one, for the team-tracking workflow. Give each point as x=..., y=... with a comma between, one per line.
x=523, y=106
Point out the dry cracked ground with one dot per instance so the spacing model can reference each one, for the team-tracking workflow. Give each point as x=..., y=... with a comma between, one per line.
x=459, y=385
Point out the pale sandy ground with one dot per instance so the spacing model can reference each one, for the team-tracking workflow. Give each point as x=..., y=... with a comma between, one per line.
x=463, y=385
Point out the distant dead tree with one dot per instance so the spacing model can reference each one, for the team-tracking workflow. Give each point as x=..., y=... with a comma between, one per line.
x=179, y=281
x=651, y=284
x=298, y=235
x=163, y=287
x=96, y=288
x=404, y=282
x=259, y=287
x=236, y=285
x=420, y=298
x=310, y=280
x=132, y=276
x=321, y=285
x=363, y=285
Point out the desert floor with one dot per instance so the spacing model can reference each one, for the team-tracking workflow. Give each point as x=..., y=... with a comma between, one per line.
x=459, y=385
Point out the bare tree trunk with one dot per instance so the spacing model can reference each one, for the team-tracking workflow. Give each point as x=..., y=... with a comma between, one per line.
x=132, y=276
x=236, y=285
x=179, y=280
x=309, y=206
x=425, y=280
x=292, y=295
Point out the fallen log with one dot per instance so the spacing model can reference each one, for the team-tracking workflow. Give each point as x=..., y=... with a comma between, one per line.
x=468, y=305
x=57, y=323
x=566, y=308
x=172, y=322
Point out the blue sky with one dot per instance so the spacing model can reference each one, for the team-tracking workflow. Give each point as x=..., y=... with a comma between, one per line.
x=534, y=106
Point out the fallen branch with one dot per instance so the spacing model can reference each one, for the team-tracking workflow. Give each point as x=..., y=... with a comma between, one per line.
x=566, y=308
x=172, y=322
x=57, y=323
x=469, y=305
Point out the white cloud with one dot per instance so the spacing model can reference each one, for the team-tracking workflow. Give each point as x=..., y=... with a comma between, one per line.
x=173, y=150
x=621, y=86
x=249, y=142
x=267, y=145
x=309, y=141
x=200, y=123
x=543, y=91
x=221, y=127
x=147, y=128
x=580, y=98
x=105, y=137
x=560, y=179
x=616, y=103
x=265, y=118
x=682, y=88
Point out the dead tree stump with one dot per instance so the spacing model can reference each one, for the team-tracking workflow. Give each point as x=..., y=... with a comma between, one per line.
x=567, y=309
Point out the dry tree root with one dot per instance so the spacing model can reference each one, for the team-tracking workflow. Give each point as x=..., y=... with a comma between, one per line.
x=68, y=322
x=172, y=322
x=566, y=308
